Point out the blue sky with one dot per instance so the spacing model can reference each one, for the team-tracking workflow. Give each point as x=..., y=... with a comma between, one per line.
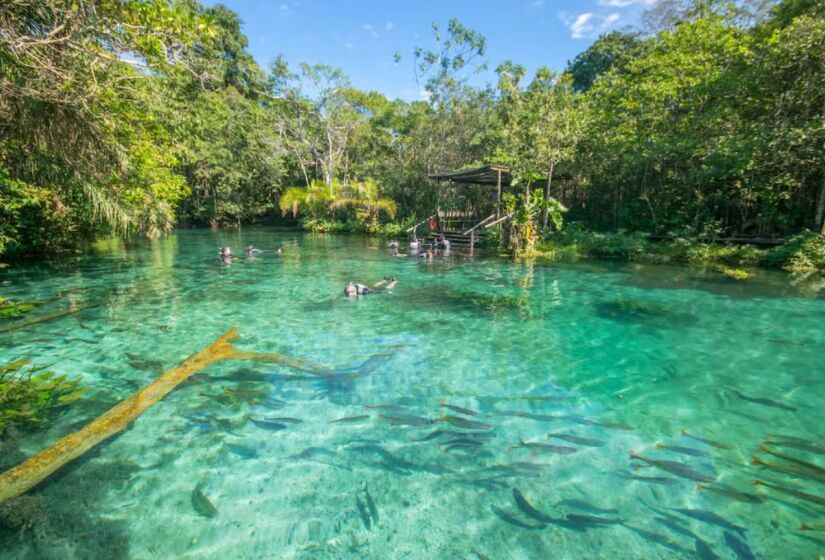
x=361, y=36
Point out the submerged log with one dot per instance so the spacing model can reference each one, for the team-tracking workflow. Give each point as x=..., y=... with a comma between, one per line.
x=45, y=317
x=34, y=470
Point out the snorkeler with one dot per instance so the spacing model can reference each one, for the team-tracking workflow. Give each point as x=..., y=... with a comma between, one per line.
x=225, y=253
x=353, y=289
x=250, y=250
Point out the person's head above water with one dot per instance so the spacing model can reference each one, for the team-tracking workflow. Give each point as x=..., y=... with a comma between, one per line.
x=351, y=289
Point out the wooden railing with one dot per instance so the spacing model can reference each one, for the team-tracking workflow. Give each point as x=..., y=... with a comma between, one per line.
x=413, y=228
x=479, y=224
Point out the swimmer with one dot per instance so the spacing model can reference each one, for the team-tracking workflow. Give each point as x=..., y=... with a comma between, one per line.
x=352, y=289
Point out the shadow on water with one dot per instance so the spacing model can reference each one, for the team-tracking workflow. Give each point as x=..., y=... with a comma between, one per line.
x=450, y=300
x=763, y=283
x=643, y=312
x=57, y=520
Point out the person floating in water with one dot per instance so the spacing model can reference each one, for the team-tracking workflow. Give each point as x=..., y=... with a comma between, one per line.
x=250, y=250
x=353, y=289
x=225, y=254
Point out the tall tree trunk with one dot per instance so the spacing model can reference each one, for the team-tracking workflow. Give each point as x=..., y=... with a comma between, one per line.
x=820, y=206
x=547, y=195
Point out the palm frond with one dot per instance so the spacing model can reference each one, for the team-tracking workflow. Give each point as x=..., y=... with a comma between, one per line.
x=107, y=209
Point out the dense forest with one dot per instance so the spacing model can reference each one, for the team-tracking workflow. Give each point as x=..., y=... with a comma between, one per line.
x=133, y=117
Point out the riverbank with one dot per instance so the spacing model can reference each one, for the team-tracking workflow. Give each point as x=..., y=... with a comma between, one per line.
x=804, y=252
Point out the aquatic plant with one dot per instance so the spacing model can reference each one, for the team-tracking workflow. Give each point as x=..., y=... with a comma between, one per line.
x=12, y=310
x=735, y=273
x=30, y=396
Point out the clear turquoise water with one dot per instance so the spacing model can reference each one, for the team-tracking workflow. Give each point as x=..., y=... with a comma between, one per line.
x=658, y=349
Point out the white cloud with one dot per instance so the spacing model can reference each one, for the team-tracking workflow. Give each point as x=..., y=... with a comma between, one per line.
x=371, y=30
x=588, y=24
x=624, y=3
x=423, y=94
x=389, y=25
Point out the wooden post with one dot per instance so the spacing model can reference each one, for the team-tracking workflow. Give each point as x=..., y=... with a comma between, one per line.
x=498, y=194
x=472, y=241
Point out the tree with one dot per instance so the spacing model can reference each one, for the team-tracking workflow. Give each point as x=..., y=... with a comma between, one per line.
x=609, y=51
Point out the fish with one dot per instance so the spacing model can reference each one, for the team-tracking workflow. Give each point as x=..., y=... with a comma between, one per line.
x=807, y=527
x=608, y=425
x=539, y=447
x=405, y=420
x=674, y=467
x=540, y=417
x=143, y=364
x=311, y=452
x=793, y=470
x=739, y=547
x=653, y=479
x=350, y=419
x=435, y=434
x=815, y=470
x=388, y=407
x=582, y=520
x=578, y=440
x=507, y=518
x=266, y=425
x=459, y=409
x=202, y=505
x=658, y=538
x=704, y=551
x=362, y=510
x=674, y=526
x=464, y=441
x=764, y=402
x=710, y=518
x=800, y=445
x=284, y=420
x=791, y=492
x=464, y=423
x=273, y=404
x=528, y=509
x=706, y=441
x=370, y=504
x=683, y=450
x=732, y=493
x=242, y=450
x=584, y=506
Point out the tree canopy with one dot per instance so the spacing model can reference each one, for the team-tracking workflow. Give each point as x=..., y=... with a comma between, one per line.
x=132, y=117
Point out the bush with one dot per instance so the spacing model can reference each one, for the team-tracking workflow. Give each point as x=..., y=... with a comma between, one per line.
x=803, y=252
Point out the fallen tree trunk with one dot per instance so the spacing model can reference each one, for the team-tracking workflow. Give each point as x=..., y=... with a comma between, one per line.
x=45, y=317
x=34, y=470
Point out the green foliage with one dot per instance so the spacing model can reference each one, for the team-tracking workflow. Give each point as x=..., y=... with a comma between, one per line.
x=12, y=310
x=30, y=396
x=130, y=117
x=333, y=207
x=613, y=50
x=803, y=252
